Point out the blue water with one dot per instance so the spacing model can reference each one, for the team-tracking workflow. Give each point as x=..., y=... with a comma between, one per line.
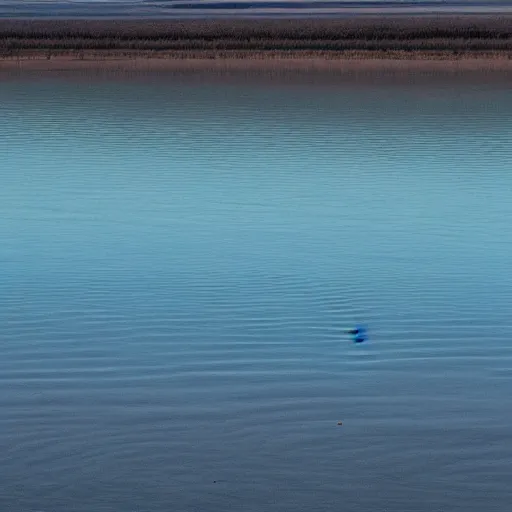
x=240, y=8
x=181, y=255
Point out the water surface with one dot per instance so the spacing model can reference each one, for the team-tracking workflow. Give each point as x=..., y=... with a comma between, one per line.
x=180, y=256
x=242, y=8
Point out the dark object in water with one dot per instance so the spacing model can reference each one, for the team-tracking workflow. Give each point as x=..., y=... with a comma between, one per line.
x=358, y=334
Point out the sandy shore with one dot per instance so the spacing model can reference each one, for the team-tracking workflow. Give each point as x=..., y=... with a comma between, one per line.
x=134, y=63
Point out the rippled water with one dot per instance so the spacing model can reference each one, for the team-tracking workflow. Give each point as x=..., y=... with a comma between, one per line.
x=180, y=256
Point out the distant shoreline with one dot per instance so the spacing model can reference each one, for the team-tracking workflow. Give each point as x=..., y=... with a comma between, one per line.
x=420, y=64
x=462, y=42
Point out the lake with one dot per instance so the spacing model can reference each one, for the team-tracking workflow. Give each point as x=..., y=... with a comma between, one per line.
x=181, y=255
x=229, y=9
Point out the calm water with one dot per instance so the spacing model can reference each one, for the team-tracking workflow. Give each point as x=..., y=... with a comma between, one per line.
x=180, y=256
x=241, y=8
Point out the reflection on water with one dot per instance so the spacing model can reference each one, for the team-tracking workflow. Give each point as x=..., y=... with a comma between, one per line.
x=180, y=258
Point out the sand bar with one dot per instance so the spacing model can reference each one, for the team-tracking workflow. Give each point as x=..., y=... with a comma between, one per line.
x=68, y=63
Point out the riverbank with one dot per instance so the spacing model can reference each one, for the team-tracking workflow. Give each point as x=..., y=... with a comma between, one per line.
x=426, y=42
x=263, y=62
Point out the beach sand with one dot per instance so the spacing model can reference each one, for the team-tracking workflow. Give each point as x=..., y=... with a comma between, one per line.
x=134, y=63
